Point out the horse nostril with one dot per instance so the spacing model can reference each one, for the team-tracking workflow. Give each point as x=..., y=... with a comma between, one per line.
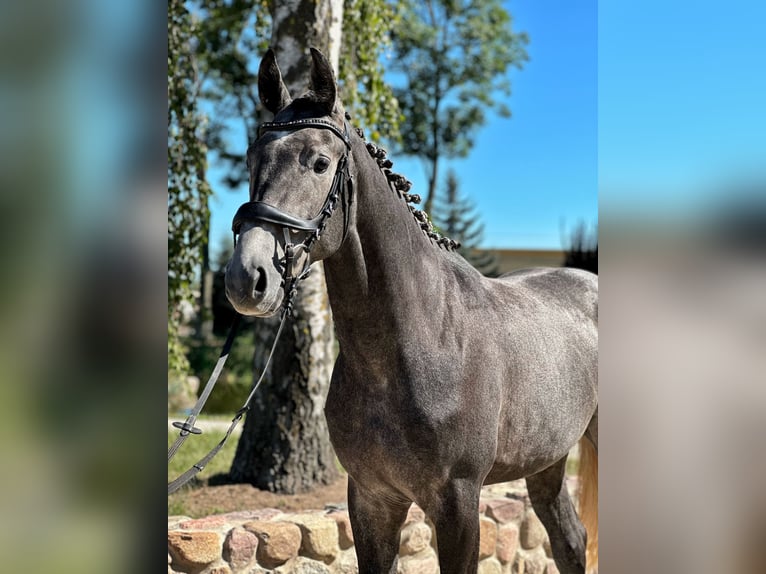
x=260, y=284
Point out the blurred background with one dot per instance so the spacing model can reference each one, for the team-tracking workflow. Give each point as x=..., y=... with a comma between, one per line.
x=653, y=110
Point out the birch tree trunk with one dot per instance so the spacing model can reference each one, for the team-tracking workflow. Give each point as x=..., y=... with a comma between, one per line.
x=285, y=446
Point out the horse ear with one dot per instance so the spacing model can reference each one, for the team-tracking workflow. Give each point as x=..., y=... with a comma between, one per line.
x=322, y=81
x=271, y=88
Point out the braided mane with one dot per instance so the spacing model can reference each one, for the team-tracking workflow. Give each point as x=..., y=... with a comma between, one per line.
x=401, y=185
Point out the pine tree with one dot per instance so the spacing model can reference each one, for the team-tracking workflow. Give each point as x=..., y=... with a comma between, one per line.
x=582, y=251
x=455, y=216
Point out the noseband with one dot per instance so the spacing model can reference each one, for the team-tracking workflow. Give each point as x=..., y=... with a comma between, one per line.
x=260, y=211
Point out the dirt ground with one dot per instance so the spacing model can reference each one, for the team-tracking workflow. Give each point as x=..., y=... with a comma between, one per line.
x=205, y=500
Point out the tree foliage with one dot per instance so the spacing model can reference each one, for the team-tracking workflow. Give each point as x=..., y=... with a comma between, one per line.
x=455, y=216
x=367, y=26
x=454, y=56
x=582, y=251
x=188, y=213
x=233, y=34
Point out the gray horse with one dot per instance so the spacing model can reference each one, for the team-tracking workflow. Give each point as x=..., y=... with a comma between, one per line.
x=445, y=380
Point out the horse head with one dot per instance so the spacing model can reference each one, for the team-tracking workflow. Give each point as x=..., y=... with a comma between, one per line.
x=299, y=190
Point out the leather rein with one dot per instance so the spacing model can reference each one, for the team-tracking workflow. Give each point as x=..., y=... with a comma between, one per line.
x=259, y=211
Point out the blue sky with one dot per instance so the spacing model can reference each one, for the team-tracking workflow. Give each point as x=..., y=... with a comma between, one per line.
x=537, y=171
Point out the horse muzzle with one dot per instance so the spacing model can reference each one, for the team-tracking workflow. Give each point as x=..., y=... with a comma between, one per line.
x=253, y=290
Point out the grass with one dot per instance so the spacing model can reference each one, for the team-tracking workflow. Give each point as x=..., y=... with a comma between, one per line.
x=195, y=447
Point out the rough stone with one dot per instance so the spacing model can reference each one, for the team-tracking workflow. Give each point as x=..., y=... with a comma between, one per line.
x=347, y=563
x=512, y=540
x=303, y=565
x=487, y=537
x=239, y=548
x=532, y=532
x=428, y=564
x=415, y=538
x=507, y=542
x=320, y=536
x=278, y=542
x=490, y=566
x=504, y=510
x=264, y=514
x=206, y=523
x=534, y=562
x=174, y=521
x=194, y=550
x=345, y=533
x=415, y=514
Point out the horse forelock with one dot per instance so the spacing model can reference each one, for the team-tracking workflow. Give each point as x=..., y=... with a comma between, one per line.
x=307, y=107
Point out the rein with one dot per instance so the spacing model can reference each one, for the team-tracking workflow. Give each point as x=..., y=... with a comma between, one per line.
x=260, y=211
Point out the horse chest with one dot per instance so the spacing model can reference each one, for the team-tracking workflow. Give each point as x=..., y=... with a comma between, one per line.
x=401, y=435
x=361, y=417
x=372, y=441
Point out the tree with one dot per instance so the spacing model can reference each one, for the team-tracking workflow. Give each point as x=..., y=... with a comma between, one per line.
x=188, y=213
x=582, y=251
x=454, y=56
x=456, y=217
x=285, y=445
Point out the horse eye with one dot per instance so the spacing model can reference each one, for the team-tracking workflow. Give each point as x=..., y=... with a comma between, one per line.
x=321, y=165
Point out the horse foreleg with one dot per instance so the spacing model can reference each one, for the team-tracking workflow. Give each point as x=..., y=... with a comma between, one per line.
x=551, y=501
x=455, y=513
x=375, y=522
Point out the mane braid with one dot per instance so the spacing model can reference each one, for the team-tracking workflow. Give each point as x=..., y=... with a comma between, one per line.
x=401, y=185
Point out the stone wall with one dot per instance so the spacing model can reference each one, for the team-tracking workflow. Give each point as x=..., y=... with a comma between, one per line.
x=512, y=540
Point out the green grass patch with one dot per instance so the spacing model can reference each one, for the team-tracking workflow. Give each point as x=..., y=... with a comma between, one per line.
x=197, y=446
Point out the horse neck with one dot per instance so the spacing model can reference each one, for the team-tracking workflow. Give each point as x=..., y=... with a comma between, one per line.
x=387, y=271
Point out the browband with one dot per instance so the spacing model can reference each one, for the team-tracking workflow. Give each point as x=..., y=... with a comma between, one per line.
x=307, y=123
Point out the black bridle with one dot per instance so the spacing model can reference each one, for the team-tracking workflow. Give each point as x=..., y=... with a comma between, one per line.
x=260, y=211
